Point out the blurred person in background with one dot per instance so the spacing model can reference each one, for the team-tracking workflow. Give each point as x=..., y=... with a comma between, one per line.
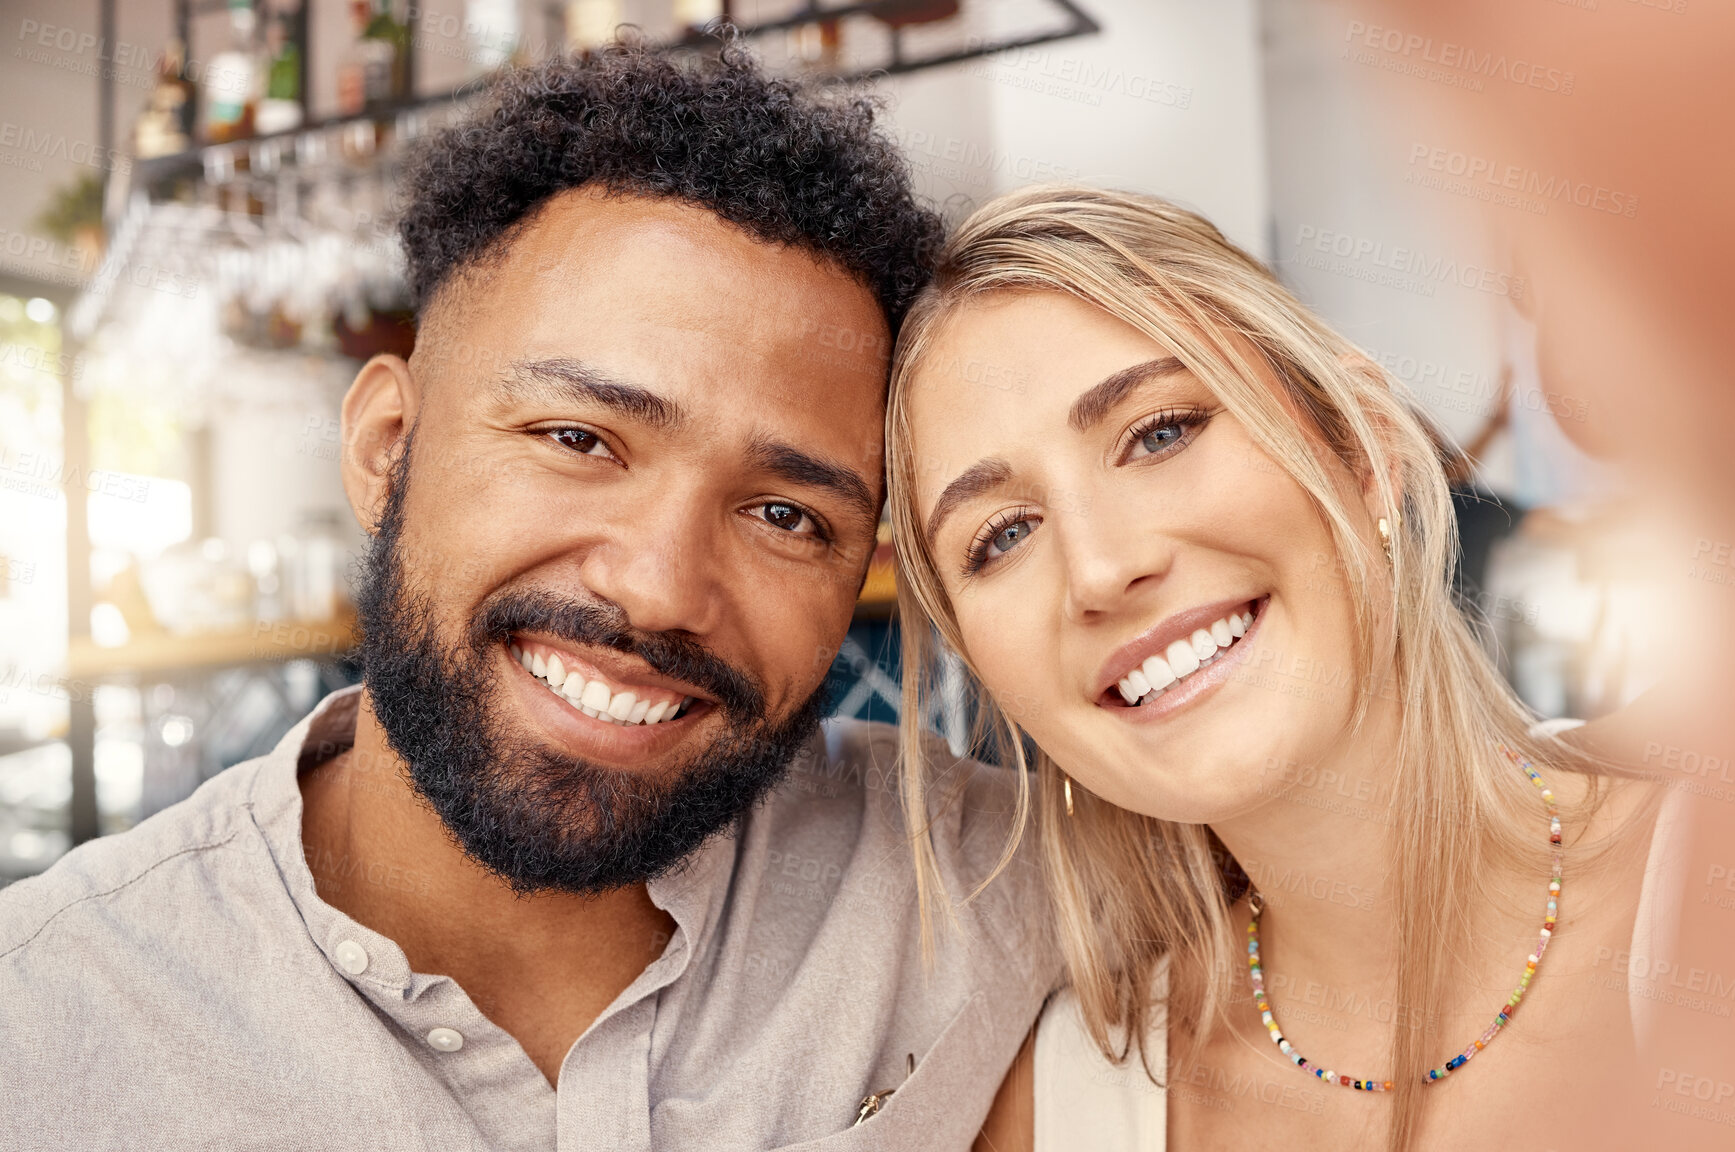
x=1632, y=268
x=1319, y=880
x=576, y=866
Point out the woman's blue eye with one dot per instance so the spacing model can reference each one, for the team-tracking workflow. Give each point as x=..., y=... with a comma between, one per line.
x=1002, y=537
x=1161, y=437
x=1011, y=536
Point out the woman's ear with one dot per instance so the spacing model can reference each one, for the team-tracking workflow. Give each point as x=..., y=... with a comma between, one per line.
x=378, y=411
x=1386, y=431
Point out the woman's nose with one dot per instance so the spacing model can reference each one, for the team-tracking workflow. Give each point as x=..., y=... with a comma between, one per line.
x=1107, y=557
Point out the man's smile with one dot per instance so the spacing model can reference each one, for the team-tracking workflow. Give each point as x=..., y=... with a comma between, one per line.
x=610, y=699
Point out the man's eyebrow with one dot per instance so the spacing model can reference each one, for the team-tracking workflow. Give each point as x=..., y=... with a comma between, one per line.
x=1096, y=403
x=800, y=467
x=983, y=476
x=567, y=379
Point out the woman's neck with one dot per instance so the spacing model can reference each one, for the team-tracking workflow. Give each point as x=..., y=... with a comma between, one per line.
x=1322, y=852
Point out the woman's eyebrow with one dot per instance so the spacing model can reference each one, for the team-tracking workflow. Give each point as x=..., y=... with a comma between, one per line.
x=1097, y=402
x=986, y=474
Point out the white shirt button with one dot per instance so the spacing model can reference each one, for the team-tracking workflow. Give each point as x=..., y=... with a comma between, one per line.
x=446, y=1039
x=351, y=957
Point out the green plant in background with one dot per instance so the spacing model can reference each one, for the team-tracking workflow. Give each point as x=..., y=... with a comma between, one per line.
x=74, y=210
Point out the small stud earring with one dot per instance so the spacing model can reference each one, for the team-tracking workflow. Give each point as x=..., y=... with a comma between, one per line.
x=1385, y=529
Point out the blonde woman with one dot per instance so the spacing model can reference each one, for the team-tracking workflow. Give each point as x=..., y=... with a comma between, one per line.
x=1194, y=549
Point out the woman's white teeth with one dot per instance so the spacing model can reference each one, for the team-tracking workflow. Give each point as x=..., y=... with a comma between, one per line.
x=1183, y=661
x=1133, y=685
x=1183, y=658
x=594, y=698
x=1158, y=672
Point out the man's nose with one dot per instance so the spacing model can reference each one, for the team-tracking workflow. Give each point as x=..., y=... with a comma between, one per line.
x=659, y=566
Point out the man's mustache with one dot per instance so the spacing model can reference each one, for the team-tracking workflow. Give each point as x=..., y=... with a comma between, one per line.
x=605, y=625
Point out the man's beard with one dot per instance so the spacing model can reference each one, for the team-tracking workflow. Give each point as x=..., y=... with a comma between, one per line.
x=540, y=819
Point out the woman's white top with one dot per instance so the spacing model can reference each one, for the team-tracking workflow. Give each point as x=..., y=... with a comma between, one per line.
x=1085, y=1102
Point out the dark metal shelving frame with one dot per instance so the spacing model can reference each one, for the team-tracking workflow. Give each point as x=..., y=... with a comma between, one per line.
x=159, y=174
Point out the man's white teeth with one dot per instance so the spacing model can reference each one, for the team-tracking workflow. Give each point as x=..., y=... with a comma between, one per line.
x=1183, y=658
x=594, y=698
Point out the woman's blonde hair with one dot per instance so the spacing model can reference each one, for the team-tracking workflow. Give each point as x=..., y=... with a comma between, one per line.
x=1129, y=889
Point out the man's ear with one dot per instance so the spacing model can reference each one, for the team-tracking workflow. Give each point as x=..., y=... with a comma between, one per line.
x=378, y=411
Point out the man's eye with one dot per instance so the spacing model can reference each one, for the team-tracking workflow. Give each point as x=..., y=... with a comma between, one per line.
x=580, y=441
x=785, y=516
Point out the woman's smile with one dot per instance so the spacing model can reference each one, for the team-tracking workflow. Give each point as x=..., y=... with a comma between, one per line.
x=1179, y=660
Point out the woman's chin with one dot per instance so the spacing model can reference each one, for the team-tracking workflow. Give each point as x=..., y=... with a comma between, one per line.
x=1170, y=784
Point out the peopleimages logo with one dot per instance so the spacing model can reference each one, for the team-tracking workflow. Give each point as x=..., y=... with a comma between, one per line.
x=1412, y=262
x=1485, y=178
x=1444, y=54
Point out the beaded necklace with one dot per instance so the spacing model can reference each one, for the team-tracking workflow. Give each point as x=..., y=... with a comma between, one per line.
x=1501, y=1018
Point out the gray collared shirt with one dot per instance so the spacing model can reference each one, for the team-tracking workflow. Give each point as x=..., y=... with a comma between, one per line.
x=183, y=986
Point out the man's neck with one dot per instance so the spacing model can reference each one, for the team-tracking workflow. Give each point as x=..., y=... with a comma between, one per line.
x=542, y=967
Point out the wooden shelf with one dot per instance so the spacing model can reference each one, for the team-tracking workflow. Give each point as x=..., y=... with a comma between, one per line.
x=167, y=652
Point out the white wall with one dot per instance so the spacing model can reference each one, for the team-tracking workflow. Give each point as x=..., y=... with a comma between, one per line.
x=1407, y=272
x=1165, y=99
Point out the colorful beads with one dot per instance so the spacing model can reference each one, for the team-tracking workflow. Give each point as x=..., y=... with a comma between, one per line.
x=1501, y=1018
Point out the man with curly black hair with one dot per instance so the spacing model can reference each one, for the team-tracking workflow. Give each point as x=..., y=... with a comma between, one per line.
x=578, y=866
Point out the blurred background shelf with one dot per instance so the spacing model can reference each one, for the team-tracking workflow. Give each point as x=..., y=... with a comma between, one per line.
x=168, y=653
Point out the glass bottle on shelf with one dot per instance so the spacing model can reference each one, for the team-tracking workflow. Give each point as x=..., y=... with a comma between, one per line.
x=280, y=110
x=232, y=80
x=320, y=558
x=164, y=126
x=365, y=76
x=388, y=74
x=351, y=69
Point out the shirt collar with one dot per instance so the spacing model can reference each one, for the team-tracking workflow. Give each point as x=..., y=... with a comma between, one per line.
x=693, y=894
